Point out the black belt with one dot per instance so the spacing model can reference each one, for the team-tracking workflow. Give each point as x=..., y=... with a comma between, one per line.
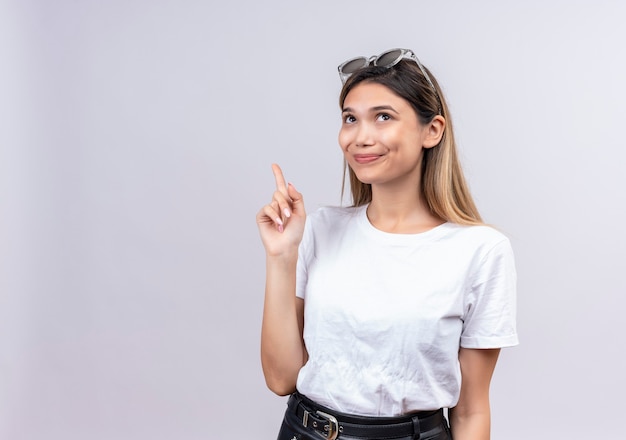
x=331, y=423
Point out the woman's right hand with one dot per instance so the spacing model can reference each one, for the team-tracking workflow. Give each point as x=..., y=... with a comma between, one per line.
x=281, y=222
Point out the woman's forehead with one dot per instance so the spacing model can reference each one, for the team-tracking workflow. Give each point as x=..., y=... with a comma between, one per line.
x=370, y=94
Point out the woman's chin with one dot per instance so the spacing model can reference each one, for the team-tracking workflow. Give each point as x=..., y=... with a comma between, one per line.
x=366, y=178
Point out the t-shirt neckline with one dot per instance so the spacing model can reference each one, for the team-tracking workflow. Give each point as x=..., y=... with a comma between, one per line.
x=399, y=238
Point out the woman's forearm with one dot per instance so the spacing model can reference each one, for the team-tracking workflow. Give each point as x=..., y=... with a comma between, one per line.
x=475, y=426
x=282, y=347
x=470, y=419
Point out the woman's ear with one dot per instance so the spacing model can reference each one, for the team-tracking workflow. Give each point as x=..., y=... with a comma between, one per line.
x=434, y=131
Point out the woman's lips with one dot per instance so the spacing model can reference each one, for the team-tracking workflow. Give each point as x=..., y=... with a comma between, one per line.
x=366, y=158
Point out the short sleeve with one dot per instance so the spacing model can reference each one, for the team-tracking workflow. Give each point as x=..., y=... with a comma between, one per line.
x=305, y=255
x=489, y=319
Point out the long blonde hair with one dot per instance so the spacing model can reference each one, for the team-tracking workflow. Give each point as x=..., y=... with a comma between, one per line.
x=443, y=184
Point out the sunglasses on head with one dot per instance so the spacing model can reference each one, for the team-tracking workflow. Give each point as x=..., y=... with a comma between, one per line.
x=388, y=59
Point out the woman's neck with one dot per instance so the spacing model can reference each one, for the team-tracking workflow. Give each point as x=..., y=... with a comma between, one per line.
x=400, y=211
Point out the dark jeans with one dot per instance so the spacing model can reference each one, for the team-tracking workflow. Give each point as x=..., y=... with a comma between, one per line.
x=293, y=427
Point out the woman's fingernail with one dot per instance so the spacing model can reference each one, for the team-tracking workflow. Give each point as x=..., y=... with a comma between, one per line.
x=287, y=212
x=279, y=221
x=280, y=228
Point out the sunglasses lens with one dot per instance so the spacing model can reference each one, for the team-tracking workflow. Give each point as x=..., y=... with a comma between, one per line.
x=389, y=59
x=353, y=65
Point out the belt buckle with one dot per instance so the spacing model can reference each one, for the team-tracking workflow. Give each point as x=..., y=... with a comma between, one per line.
x=332, y=429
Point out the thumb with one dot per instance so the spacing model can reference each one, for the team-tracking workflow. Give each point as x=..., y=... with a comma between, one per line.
x=296, y=198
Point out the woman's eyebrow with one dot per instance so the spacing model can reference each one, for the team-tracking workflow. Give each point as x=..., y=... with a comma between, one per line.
x=373, y=109
x=384, y=107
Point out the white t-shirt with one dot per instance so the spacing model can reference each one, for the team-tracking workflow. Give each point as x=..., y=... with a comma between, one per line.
x=385, y=313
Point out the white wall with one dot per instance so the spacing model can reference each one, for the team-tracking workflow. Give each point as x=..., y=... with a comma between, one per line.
x=136, y=139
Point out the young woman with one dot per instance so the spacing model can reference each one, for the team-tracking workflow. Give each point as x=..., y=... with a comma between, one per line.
x=379, y=316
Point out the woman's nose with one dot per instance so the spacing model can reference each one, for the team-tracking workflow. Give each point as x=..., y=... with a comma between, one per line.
x=364, y=136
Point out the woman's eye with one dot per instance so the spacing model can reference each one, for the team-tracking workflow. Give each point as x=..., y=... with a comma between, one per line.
x=383, y=117
x=348, y=119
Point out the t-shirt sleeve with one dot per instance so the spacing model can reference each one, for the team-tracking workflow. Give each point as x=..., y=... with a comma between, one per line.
x=305, y=255
x=489, y=319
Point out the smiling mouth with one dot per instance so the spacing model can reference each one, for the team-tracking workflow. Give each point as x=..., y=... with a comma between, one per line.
x=366, y=158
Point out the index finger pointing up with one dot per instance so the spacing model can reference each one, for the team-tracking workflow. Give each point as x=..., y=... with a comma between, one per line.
x=281, y=185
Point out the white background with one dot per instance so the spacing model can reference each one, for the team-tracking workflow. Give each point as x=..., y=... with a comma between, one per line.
x=136, y=141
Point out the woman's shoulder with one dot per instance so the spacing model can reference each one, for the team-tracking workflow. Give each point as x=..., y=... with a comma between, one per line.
x=483, y=236
x=326, y=223
x=334, y=214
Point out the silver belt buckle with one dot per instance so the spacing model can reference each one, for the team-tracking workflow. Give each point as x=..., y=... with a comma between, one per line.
x=332, y=429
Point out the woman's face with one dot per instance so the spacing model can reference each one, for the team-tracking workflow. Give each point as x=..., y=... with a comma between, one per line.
x=381, y=136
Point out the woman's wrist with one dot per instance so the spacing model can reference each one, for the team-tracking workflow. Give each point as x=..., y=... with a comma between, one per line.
x=288, y=255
